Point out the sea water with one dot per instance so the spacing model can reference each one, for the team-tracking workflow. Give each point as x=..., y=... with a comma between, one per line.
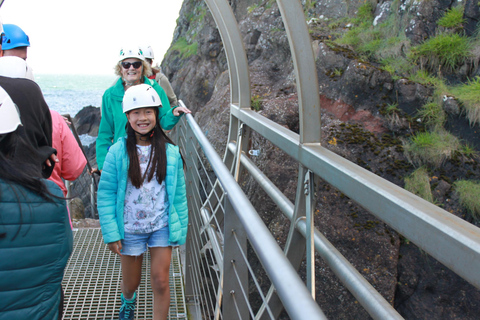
x=68, y=94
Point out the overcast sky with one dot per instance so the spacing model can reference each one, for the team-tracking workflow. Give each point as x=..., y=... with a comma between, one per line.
x=85, y=37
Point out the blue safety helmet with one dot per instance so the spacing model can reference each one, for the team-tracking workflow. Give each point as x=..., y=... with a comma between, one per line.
x=14, y=37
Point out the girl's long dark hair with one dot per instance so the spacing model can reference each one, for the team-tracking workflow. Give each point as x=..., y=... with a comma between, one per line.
x=157, y=164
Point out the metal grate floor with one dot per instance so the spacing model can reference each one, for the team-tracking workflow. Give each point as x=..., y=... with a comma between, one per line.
x=92, y=282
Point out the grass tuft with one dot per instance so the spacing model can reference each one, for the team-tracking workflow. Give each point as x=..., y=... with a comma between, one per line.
x=392, y=108
x=469, y=95
x=445, y=50
x=431, y=148
x=468, y=150
x=418, y=183
x=256, y=103
x=425, y=78
x=184, y=48
x=469, y=194
x=452, y=19
x=432, y=115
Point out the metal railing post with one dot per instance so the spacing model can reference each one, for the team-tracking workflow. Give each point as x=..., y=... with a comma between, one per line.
x=68, y=185
x=191, y=180
x=310, y=215
x=235, y=274
x=294, y=247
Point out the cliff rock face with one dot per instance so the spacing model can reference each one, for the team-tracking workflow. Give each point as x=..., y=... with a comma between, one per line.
x=353, y=96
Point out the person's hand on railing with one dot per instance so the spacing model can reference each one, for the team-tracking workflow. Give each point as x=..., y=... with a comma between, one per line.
x=179, y=109
x=67, y=120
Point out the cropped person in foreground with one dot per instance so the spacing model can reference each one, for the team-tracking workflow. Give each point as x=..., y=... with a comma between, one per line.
x=35, y=235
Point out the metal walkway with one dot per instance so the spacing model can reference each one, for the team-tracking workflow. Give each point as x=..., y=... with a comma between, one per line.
x=235, y=269
x=92, y=282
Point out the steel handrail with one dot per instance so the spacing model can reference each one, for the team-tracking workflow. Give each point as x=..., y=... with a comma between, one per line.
x=283, y=276
x=449, y=239
x=368, y=297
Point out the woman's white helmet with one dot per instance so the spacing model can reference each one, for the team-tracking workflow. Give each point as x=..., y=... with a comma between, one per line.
x=140, y=96
x=147, y=52
x=9, y=115
x=131, y=52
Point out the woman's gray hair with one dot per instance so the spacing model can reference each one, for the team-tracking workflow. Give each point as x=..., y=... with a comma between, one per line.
x=147, y=70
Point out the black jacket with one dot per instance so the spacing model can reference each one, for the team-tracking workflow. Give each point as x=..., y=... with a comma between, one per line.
x=36, y=120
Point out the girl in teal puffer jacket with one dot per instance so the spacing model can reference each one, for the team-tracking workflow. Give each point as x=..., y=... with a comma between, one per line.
x=142, y=200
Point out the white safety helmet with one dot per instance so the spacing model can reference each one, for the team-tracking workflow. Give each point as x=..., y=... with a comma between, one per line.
x=147, y=52
x=15, y=67
x=131, y=52
x=9, y=115
x=140, y=96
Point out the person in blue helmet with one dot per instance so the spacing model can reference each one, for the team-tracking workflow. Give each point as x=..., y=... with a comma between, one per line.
x=27, y=95
x=14, y=42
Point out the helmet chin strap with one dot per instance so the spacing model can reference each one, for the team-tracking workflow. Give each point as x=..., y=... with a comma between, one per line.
x=145, y=136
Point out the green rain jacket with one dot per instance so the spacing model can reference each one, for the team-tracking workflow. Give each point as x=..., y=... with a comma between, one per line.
x=113, y=122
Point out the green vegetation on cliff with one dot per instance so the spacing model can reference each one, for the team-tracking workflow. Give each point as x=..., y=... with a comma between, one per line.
x=469, y=194
x=426, y=63
x=418, y=183
x=431, y=148
x=444, y=50
x=184, y=48
x=469, y=95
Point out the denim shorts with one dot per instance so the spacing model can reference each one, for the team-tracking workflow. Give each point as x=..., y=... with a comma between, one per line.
x=136, y=244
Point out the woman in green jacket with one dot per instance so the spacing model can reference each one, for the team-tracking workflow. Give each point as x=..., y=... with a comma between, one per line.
x=35, y=235
x=132, y=70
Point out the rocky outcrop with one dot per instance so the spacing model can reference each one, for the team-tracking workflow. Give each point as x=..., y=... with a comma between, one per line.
x=354, y=94
x=87, y=121
x=471, y=16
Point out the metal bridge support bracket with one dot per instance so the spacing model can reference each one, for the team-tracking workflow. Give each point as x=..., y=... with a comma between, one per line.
x=235, y=275
x=294, y=248
x=238, y=152
x=310, y=214
x=68, y=185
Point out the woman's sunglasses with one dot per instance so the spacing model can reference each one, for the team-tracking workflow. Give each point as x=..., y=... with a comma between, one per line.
x=135, y=64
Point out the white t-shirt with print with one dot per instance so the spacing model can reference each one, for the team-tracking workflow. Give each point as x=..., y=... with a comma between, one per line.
x=146, y=208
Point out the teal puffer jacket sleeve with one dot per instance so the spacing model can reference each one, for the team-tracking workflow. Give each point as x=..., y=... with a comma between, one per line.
x=177, y=197
x=111, y=193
